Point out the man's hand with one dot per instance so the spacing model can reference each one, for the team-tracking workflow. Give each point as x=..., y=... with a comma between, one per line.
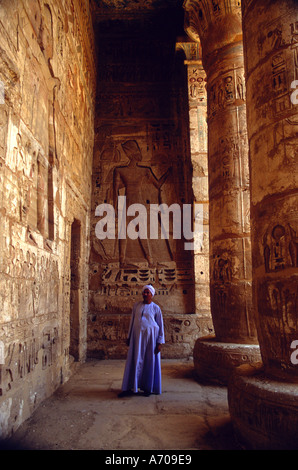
x=158, y=348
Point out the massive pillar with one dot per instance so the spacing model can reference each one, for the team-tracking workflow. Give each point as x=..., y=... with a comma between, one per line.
x=263, y=401
x=218, y=26
x=197, y=105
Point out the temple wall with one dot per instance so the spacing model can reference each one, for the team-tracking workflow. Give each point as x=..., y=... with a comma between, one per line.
x=142, y=153
x=47, y=76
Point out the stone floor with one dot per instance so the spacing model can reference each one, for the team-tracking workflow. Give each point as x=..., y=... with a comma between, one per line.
x=86, y=414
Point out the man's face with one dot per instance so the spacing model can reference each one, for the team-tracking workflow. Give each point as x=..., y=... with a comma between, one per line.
x=147, y=296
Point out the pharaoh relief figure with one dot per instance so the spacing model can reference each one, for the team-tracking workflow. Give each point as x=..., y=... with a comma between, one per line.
x=140, y=186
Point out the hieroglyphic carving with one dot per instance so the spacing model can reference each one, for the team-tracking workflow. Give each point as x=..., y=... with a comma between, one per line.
x=140, y=186
x=271, y=66
x=138, y=168
x=274, y=39
x=140, y=177
x=222, y=58
x=166, y=276
x=22, y=357
x=45, y=141
x=180, y=333
x=260, y=409
x=278, y=302
x=280, y=244
x=221, y=281
x=34, y=279
x=49, y=346
x=196, y=82
x=226, y=90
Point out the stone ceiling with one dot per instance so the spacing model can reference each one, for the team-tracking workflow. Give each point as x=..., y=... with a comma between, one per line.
x=136, y=39
x=133, y=6
x=126, y=17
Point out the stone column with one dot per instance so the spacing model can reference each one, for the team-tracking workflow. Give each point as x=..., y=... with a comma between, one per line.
x=270, y=31
x=197, y=103
x=218, y=26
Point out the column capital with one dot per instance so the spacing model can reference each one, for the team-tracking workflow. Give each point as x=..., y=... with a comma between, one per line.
x=216, y=24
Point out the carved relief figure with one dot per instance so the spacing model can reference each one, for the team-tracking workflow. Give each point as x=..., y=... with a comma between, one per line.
x=222, y=271
x=274, y=254
x=139, y=185
x=280, y=248
x=240, y=87
x=228, y=81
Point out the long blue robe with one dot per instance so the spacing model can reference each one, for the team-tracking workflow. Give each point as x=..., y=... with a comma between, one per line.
x=143, y=366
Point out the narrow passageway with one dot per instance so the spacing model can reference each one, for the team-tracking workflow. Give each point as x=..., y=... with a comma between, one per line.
x=86, y=413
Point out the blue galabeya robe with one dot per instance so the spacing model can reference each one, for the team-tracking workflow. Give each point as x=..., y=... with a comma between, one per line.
x=143, y=367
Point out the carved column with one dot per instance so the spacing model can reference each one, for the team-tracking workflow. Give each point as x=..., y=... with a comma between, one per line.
x=197, y=103
x=271, y=49
x=218, y=26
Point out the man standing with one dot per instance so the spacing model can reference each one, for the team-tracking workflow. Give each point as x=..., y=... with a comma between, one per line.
x=146, y=334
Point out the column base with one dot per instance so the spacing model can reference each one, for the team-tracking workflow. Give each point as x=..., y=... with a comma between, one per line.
x=215, y=361
x=264, y=411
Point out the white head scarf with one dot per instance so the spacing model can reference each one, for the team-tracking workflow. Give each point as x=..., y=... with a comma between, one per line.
x=151, y=288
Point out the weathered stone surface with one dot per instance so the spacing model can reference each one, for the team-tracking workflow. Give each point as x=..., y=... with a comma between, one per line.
x=263, y=400
x=271, y=67
x=141, y=152
x=264, y=411
x=215, y=361
x=107, y=334
x=106, y=98
x=219, y=30
x=46, y=141
x=198, y=133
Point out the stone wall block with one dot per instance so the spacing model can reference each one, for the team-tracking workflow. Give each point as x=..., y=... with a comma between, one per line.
x=44, y=152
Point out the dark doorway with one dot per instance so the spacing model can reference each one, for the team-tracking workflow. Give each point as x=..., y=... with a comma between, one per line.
x=75, y=293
